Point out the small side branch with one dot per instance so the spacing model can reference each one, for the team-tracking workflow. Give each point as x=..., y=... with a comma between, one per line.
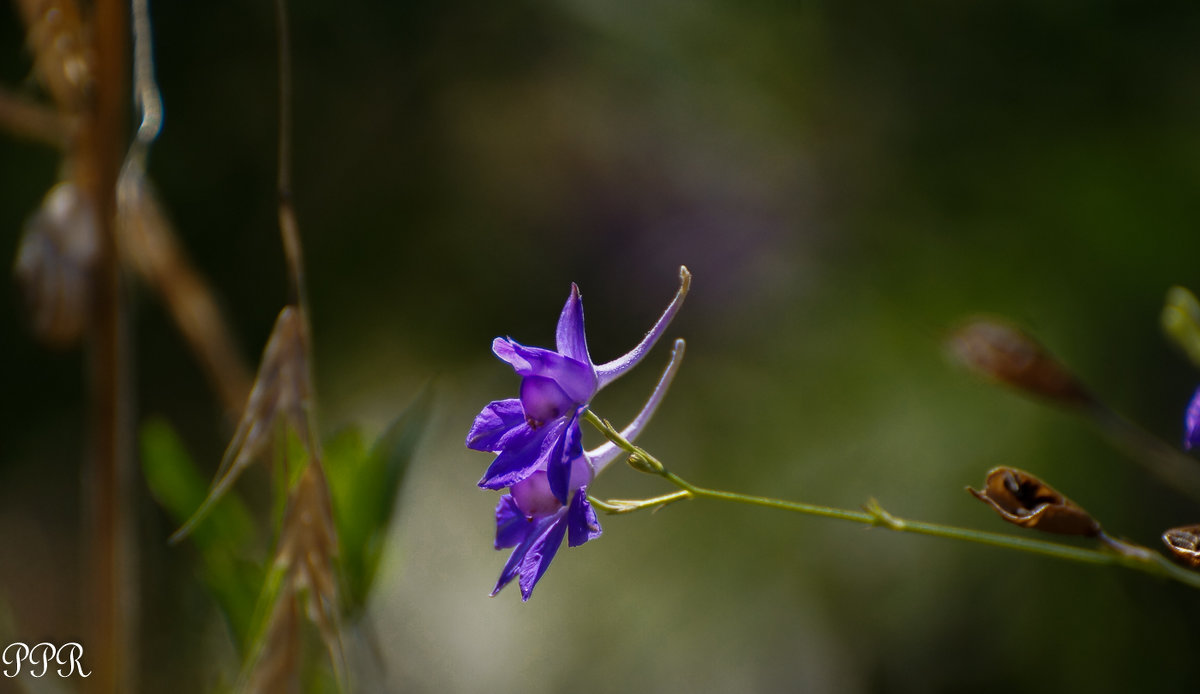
x=35, y=121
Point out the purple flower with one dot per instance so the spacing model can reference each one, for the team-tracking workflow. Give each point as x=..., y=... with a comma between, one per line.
x=539, y=444
x=531, y=517
x=1191, y=422
x=539, y=431
x=536, y=530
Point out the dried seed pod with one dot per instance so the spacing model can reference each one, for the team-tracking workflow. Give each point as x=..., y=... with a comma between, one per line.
x=1184, y=543
x=1024, y=500
x=54, y=264
x=1002, y=352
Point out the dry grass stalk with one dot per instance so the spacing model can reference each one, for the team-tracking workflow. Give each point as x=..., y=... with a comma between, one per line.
x=308, y=545
x=275, y=668
x=61, y=243
x=149, y=246
x=306, y=557
x=110, y=597
x=30, y=119
x=148, y=240
x=69, y=265
x=281, y=395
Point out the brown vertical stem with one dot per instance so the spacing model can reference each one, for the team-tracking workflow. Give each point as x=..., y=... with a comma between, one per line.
x=288, y=227
x=107, y=592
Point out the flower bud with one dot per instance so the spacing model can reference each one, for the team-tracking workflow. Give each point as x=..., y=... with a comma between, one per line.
x=1024, y=500
x=1002, y=352
x=641, y=463
x=1181, y=321
x=1184, y=543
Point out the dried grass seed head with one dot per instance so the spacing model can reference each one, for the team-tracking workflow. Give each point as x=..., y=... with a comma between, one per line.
x=308, y=548
x=280, y=396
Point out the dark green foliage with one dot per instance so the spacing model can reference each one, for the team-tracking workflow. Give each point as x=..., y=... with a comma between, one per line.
x=364, y=485
x=226, y=540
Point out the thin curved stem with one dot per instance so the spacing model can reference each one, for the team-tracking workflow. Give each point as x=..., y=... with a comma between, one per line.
x=1131, y=556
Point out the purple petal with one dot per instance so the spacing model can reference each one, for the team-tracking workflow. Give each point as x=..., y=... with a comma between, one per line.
x=536, y=559
x=516, y=462
x=503, y=347
x=1191, y=422
x=536, y=536
x=577, y=379
x=570, y=339
x=509, y=570
x=582, y=524
x=607, y=373
x=496, y=420
x=558, y=467
x=517, y=558
x=533, y=496
x=511, y=525
x=543, y=400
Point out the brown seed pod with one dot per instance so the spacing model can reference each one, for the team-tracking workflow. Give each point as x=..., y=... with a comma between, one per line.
x=1024, y=500
x=1002, y=352
x=1184, y=543
x=54, y=264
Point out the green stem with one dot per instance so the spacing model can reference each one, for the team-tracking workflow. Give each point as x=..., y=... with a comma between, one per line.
x=1132, y=557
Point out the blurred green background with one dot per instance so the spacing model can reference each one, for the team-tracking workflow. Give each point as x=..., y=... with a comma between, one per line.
x=846, y=180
